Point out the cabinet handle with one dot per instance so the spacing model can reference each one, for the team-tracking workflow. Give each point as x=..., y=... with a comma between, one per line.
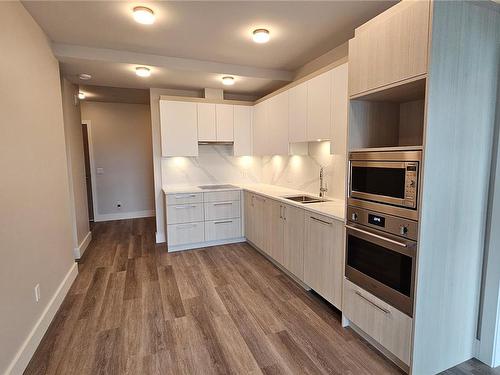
x=187, y=226
x=222, y=203
x=180, y=196
x=183, y=207
x=284, y=213
x=385, y=311
x=223, y=222
x=281, y=210
x=320, y=221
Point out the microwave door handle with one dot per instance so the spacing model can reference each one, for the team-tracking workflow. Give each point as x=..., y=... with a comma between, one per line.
x=377, y=236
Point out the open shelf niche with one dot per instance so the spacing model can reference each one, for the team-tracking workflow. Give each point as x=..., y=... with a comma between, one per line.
x=389, y=118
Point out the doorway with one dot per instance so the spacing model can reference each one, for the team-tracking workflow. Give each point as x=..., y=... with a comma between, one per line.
x=88, y=176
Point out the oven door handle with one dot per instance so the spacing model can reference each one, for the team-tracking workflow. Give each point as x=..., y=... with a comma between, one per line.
x=402, y=244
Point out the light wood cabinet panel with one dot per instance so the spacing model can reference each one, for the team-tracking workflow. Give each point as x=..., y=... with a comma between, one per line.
x=179, y=129
x=340, y=105
x=319, y=107
x=324, y=257
x=384, y=323
x=260, y=136
x=276, y=231
x=222, y=229
x=293, y=240
x=221, y=196
x=181, y=198
x=242, y=130
x=222, y=210
x=249, y=216
x=390, y=48
x=277, y=125
x=183, y=234
x=184, y=213
x=206, y=122
x=225, y=122
x=297, y=131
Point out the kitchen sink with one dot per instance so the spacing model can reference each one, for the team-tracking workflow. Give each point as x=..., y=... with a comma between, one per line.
x=305, y=199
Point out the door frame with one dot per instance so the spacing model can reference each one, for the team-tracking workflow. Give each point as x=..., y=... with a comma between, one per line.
x=92, y=169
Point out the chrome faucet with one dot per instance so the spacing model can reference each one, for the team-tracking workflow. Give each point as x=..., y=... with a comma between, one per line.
x=323, y=188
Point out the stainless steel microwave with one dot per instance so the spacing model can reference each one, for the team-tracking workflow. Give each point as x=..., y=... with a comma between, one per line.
x=385, y=178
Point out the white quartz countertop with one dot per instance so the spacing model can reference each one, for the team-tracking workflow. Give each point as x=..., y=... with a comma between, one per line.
x=333, y=208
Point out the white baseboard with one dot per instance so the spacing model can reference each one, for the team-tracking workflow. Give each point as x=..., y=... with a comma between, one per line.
x=24, y=354
x=124, y=215
x=78, y=251
x=160, y=237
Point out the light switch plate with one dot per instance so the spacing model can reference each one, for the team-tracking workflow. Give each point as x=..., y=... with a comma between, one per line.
x=100, y=170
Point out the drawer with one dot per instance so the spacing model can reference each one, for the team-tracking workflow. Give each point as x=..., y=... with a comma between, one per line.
x=181, y=234
x=182, y=198
x=222, y=196
x=385, y=324
x=222, y=229
x=184, y=213
x=222, y=210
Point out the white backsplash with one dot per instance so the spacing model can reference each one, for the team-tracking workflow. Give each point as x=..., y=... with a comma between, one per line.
x=215, y=164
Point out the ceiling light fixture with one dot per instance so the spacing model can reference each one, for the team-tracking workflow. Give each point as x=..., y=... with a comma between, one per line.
x=81, y=95
x=142, y=71
x=144, y=15
x=84, y=76
x=261, y=36
x=228, y=81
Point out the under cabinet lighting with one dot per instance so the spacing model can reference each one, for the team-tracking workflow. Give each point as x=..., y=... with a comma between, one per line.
x=142, y=71
x=81, y=95
x=261, y=36
x=84, y=76
x=228, y=81
x=144, y=15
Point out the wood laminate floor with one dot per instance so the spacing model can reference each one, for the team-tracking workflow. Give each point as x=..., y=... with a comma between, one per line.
x=136, y=309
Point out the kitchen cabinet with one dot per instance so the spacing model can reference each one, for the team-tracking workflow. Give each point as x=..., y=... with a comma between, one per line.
x=249, y=216
x=277, y=125
x=206, y=122
x=390, y=48
x=179, y=128
x=224, y=122
x=256, y=220
x=340, y=105
x=293, y=240
x=260, y=136
x=297, y=127
x=242, y=130
x=324, y=257
x=319, y=107
x=276, y=230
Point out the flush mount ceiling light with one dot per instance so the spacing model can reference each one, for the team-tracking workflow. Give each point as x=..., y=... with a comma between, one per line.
x=228, y=81
x=261, y=36
x=144, y=15
x=81, y=95
x=142, y=71
x=84, y=76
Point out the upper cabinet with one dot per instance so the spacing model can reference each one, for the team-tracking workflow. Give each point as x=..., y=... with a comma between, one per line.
x=260, y=139
x=277, y=125
x=297, y=103
x=225, y=121
x=319, y=107
x=242, y=130
x=390, y=48
x=215, y=122
x=179, y=130
x=340, y=107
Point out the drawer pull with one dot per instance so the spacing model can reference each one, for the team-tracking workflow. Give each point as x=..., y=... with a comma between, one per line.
x=223, y=222
x=180, y=196
x=222, y=203
x=385, y=311
x=320, y=221
x=188, y=226
x=183, y=207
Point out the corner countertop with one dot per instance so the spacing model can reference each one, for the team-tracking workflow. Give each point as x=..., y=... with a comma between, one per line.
x=333, y=208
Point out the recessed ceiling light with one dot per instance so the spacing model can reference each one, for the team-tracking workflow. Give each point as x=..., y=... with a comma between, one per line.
x=81, y=95
x=228, y=81
x=144, y=15
x=142, y=71
x=261, y=36
x=85, y=76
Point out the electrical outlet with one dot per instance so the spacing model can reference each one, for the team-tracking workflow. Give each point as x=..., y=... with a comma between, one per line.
x=118, y=204
x=37, y=292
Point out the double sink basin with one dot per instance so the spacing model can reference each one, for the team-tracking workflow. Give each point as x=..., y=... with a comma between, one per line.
x=305, y=199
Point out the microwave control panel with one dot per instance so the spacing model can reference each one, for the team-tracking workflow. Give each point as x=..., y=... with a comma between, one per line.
x=411, y=185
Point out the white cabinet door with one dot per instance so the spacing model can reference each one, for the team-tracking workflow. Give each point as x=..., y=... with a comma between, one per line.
x=319, y=107
x=340, y=102
x=297, y=131
x=225, y=120
x=242, y=130
x=277, y=125
x=206, y=122
x=260, y=135
x=179, y=130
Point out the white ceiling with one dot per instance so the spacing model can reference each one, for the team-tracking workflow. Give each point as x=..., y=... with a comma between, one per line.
x=202, y=32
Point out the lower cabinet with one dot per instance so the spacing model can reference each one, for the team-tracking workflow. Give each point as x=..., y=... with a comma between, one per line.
x=255, y=220
x=293, y=240
x=324, y=257
x=385, y=324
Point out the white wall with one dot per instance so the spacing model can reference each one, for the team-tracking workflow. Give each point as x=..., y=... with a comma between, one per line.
x=121, y=145
x=76, y=166
x=35, y=224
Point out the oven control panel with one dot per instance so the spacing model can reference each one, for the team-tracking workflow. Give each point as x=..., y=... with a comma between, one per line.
x=391, y=224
